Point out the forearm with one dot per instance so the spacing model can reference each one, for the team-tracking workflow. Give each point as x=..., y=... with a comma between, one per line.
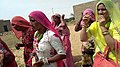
x=78, y=27
x=49, y=60
x=56, y=58
x=83, y=34
x=108, y=38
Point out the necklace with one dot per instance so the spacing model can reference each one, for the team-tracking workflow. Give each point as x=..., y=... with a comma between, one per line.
x=37, y=38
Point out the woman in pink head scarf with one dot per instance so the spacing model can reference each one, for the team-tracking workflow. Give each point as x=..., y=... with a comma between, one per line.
x=47, y=42
x=24, y=30
x=87, y=46
x=87, y=12
x=59, y=24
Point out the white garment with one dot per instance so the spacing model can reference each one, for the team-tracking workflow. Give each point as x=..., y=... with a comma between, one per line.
x=45, y=46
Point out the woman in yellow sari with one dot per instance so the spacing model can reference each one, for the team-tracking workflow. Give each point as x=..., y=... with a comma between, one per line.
x=105, y=29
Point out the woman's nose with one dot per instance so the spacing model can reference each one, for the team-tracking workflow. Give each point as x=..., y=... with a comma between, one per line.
x=100, y=12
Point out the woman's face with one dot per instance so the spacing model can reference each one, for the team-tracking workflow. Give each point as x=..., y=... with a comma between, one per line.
x=86, y=17
x=102, y=11
x=36, y=25
x=56, y=20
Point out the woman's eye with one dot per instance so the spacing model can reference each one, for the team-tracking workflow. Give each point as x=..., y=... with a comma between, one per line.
x=32, y=20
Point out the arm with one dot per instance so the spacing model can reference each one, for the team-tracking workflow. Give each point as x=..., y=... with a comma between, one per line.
x=108, y=38
x=78, y=26
x=83, y=34
x=63, y=23
x=57, y=45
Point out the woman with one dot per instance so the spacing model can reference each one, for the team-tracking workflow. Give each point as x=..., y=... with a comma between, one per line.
x=105, y=28
x=7, y=58
x=91, y=18
x=23, y=29
x=59, y=24
x=47, y=42
x=87, y=46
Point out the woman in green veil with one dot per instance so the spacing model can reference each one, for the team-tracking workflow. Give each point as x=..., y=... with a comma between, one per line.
x=105, y=29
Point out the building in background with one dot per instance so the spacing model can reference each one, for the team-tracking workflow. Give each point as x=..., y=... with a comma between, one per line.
x=78, y=9
x=5, y=26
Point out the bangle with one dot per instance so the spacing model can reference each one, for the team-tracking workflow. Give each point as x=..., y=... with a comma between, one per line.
x=45, y=61
x=105, y=33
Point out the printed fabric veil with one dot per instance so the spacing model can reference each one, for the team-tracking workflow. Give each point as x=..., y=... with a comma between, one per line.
x=113, y=11
x=19, y=21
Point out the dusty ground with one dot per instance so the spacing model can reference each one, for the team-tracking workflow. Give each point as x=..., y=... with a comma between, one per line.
x=10, y=39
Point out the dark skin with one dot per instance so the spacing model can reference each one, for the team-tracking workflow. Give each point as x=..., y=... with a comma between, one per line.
x=103, y=18
x=85, y=18
x=78, y=27
x=37, y=26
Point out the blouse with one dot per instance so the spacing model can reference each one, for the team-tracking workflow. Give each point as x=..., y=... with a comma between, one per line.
x=47, y=45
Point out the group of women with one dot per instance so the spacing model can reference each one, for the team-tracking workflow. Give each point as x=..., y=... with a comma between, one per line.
x=49, y=43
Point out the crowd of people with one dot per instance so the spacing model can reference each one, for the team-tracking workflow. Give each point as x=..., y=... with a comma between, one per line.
x=48, y=42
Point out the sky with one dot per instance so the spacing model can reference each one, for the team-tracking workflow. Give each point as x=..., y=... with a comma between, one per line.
x=11, y=8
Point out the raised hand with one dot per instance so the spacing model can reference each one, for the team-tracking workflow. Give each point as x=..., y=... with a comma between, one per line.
x=102, y=20
x=85, y=20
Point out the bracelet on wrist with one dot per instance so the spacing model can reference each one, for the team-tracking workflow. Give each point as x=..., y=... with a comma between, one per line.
x=45, y=61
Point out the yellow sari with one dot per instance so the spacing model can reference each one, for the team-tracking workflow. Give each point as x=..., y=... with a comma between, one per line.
x=95, y=30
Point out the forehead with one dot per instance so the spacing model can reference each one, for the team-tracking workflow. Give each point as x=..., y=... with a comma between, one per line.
x=101, y=5
x=31, y=17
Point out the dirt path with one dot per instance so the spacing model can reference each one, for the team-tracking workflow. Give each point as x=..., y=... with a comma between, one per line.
x=75, y=45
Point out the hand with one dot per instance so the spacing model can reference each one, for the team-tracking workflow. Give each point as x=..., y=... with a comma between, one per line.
x=102, y=20
x=85, y=20
x=38, y=64
x=63, y=16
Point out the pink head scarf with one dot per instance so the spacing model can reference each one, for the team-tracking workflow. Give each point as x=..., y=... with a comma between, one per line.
x=20, y=21
x=42, y=19
x=90, y=12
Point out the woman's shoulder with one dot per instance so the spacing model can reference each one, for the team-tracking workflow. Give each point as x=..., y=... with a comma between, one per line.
x=49, y=33
x=94, y=24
